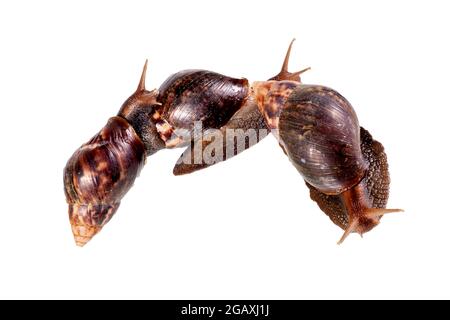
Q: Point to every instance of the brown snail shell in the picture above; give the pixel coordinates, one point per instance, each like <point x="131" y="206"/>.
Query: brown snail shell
<point x="99" y="174"/>
<point x="320" y="132"/>
<point x="199" y="95"/>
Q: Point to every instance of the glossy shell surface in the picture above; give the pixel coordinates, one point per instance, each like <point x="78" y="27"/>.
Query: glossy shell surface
<point x="199" y="95"/>
<point x="320" y="133"/>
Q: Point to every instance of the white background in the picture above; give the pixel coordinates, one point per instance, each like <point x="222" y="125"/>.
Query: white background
<point x="245" y="228"/>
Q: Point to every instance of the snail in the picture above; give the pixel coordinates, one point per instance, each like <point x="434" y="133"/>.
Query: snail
<point x="101" y="171"/>
<point x="345" y="169"/>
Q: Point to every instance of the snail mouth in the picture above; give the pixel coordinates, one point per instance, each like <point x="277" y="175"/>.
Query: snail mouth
<point x="365" y="221"/>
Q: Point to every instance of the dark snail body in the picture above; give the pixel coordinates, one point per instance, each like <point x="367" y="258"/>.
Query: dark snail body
<point x="198" y="97"/>
<point x="219" y="102"/>
<point x="142" y="112"/>
<point x="344" y="168"/>
<point x="246" y="118"/>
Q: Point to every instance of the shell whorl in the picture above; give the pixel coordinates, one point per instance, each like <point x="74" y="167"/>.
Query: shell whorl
<point x="99" y="174"/>
<point x="319" y="130"/>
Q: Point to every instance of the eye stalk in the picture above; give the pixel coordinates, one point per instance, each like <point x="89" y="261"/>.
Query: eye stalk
<point x="284" y="74"/>
<point x="141" y="98"/>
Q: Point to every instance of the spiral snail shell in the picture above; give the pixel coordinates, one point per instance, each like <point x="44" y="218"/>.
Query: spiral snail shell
<point x="99" y="174"/>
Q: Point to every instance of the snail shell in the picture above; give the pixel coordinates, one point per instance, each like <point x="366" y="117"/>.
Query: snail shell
<point x="320" y="132"/>
<point x="99" y="174"/>
<point x="199" y="95"/>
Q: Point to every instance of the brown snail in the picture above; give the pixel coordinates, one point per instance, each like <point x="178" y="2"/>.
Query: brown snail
<point x="344" y="168"/>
